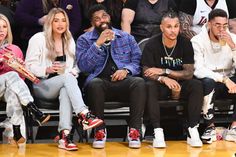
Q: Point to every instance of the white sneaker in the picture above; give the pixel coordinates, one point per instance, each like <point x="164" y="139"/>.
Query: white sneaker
<point x="159" y="140"/>
<point x="209" y="135"/>
<point x="231" y="134"/>
<point x="100" y="138"/>
<point x="193" y="138"/>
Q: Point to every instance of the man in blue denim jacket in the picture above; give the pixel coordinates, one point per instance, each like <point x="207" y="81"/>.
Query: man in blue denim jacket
<point x="111" y="57"/>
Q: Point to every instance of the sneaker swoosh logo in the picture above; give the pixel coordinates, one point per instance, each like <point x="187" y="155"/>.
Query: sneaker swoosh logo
<point x="85" y="122"/>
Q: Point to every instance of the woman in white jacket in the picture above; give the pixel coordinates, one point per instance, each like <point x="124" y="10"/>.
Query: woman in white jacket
<point x="46" y="51"/>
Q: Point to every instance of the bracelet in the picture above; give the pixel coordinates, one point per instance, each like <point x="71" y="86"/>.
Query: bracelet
<point x="225" y="79"/>
<point x="234" y="48"/>
<point x="97" y="46"/>
<point x="159" y="78"/>
<point x="127" y="70"/>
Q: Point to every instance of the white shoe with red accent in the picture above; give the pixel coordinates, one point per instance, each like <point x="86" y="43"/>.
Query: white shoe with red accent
<point x="65" y="141"/>
<point x="89" y="121"/>
<point x="134" y="138"/>
<point x="100" y="138"/>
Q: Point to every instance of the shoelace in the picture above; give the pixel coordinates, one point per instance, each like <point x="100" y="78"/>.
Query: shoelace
<point x="134" y="134"/>
<point x="69" y="138"/>
<point x="89" y="116"/>
<point x="209" y="129"/>
<point x="233" y="129"/>
<point x="100" y="134"/>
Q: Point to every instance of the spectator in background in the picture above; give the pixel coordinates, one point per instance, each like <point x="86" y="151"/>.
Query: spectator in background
<point x="232" y="15"/>
<point x="46" y="53"/>
<point x="114" y="8"/>
<point x="16" y="30"/>
<point x="8" y="13"/>
<point x="111" y="58"/>
<point x="194" y="13"/>
<point x="215" y="62"/>
<point x="232" y="25"/>
<point x="31" y="15"/>
<point x="142" y="18"/>
<point x="13" y="89"/>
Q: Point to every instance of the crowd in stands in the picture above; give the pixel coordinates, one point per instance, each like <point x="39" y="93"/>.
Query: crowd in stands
<point x="190" y="55"/>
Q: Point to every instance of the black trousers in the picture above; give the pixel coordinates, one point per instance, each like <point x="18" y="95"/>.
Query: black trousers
<point x="191" y="91"/>
<point x="131" y="89"/>
<point x="214" y="90"/>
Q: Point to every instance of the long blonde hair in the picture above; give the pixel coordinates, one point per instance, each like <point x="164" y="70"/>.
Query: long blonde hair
<point x="9" y="37"/>
<point x="66" y="36"/>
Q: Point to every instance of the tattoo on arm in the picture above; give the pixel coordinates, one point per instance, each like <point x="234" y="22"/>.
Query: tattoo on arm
<point x="185" y="74"/>
<point x="186" y="21"/>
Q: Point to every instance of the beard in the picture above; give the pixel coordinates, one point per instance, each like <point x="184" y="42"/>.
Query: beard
<point x="103" y="26"/>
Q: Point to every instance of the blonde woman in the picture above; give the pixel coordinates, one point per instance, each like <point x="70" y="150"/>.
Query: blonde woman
<point x="44" y="55"/>
<point x="31" y="15"/>
<point x="13" y="90"/>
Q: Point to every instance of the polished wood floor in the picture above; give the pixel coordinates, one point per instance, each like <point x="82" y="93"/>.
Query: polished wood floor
<point x="119" y="149"/>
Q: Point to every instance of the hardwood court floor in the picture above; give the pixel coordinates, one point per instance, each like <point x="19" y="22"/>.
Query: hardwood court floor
<point x="119" y="149"/>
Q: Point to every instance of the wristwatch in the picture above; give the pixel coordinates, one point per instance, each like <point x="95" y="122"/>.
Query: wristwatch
<point x="127" y="70"/>
<point x="167" y="71"/>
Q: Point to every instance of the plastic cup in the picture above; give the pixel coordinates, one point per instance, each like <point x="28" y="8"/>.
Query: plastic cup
<point x="62" y="68"/>
<point x="175" y="93"/>
<point x="222" y="42"/>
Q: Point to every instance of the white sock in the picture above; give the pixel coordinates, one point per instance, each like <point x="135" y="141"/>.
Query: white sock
<point x="84" y="111"/>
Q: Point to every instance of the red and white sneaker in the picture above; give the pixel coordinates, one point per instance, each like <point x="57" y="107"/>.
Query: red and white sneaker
<point x="134" y="138"/>
<point x="99" y="139"/>
<point x="89" y="121"/>
<point x="65" y="141"/>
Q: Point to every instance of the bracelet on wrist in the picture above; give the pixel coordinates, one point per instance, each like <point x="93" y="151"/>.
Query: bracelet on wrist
<point x="234" y="48"/>
<point x="161" y="79"/>
<point x="127" y="70"/>
<point x="225" y="79"/>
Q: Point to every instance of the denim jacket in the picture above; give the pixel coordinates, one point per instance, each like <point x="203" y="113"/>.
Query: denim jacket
<point x="124" y="51"/>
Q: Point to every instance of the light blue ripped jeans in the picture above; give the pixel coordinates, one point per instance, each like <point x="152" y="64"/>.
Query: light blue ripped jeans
<point x="64" y="87"/>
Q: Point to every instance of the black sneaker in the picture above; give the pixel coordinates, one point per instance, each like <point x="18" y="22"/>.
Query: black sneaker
<point x="18" y="138"/>
<point x="209" y="135"/>
<point x="38" y="116"/>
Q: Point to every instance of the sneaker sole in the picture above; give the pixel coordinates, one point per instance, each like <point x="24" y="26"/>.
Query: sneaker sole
<point x="159" y="146"/>
<point x="46" y="119"/>
<point x="98" y="146"/>
<point x="196" y="146"/>
<point x="135" y="146"/>
<point x="69" y="149"/>
<point x="20" y="142"/>
<point x="208" y="140"/>
<point x="86" y="127"/>
<point x="230" y="138"/>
